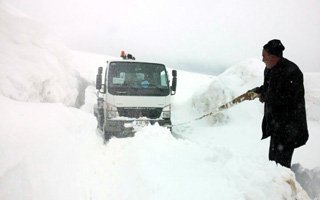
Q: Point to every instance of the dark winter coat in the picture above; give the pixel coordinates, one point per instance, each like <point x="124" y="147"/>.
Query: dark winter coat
<point x="284" y="112"/>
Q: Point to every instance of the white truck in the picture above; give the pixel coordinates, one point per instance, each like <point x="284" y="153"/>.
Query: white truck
<point x="132" y="93"/>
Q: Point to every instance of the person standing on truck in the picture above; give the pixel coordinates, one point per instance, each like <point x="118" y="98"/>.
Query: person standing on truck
<point x="282" y="93"/>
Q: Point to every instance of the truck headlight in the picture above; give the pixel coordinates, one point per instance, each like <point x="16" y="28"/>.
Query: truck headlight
<point x="166" y="114"/>
<point x="112" y="111"/>
<point x="166" y="111"/>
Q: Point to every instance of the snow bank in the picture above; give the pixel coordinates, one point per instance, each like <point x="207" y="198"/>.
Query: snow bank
<point x="235" y="81"/>
<point x="34" y="64"/>
<point x="46" y="154"/>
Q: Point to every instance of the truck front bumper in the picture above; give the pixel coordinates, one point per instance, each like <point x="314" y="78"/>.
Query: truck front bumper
<point x="125" y="128"/>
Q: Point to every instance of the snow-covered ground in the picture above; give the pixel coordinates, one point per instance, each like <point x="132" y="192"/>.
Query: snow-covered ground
<point x="49" y="148"/>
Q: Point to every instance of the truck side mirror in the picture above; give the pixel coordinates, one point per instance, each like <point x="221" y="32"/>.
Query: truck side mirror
<point x="174" y="82"/>
<point x="99" y="79"/>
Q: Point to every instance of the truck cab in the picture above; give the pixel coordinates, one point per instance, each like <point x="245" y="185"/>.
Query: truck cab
<point x="131" y="93"/>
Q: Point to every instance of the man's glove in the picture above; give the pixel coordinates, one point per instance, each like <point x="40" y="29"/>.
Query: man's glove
<point x="255" y="90"/>
<point x="257" y="93"/>
<point x="251" y="95"/>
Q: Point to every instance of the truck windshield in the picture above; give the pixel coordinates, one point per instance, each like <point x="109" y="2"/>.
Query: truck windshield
<point x="137" y="79"/>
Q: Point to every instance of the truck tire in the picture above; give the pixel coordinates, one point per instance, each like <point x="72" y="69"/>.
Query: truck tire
<point x="106" y="134"/>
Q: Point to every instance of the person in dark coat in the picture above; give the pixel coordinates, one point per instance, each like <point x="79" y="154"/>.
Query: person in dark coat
<point x="282" y="93"/>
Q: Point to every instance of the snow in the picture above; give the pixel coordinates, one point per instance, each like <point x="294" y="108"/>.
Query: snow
<point x="35" y="64"/>
<point x="50" y="149"/>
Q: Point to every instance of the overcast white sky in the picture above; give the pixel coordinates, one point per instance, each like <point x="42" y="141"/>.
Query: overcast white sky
<point x="203" y="35"/>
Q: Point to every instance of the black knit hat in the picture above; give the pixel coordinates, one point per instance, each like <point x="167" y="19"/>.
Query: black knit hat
<point x="274" y="47"/>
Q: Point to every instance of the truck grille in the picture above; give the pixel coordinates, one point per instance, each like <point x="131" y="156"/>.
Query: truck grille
<point x="151" y="113"/>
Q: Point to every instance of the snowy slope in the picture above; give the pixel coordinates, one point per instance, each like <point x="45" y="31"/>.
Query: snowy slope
<point x="49" y="150"/>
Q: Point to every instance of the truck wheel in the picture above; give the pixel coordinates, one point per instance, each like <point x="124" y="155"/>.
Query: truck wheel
<point x="100" y="125"/>
<point x="107" y="134"/>
<point x="100" y="120"/>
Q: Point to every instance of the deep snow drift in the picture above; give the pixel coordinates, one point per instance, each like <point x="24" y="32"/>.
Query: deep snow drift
<point x="49" y="150"/>
<point x="35" y="64"/>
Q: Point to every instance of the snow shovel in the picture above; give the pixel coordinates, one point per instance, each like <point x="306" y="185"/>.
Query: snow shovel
<point x="246" y="96"/>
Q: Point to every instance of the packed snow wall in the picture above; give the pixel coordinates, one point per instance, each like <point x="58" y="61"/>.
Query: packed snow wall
<point x="34" y="64"/>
